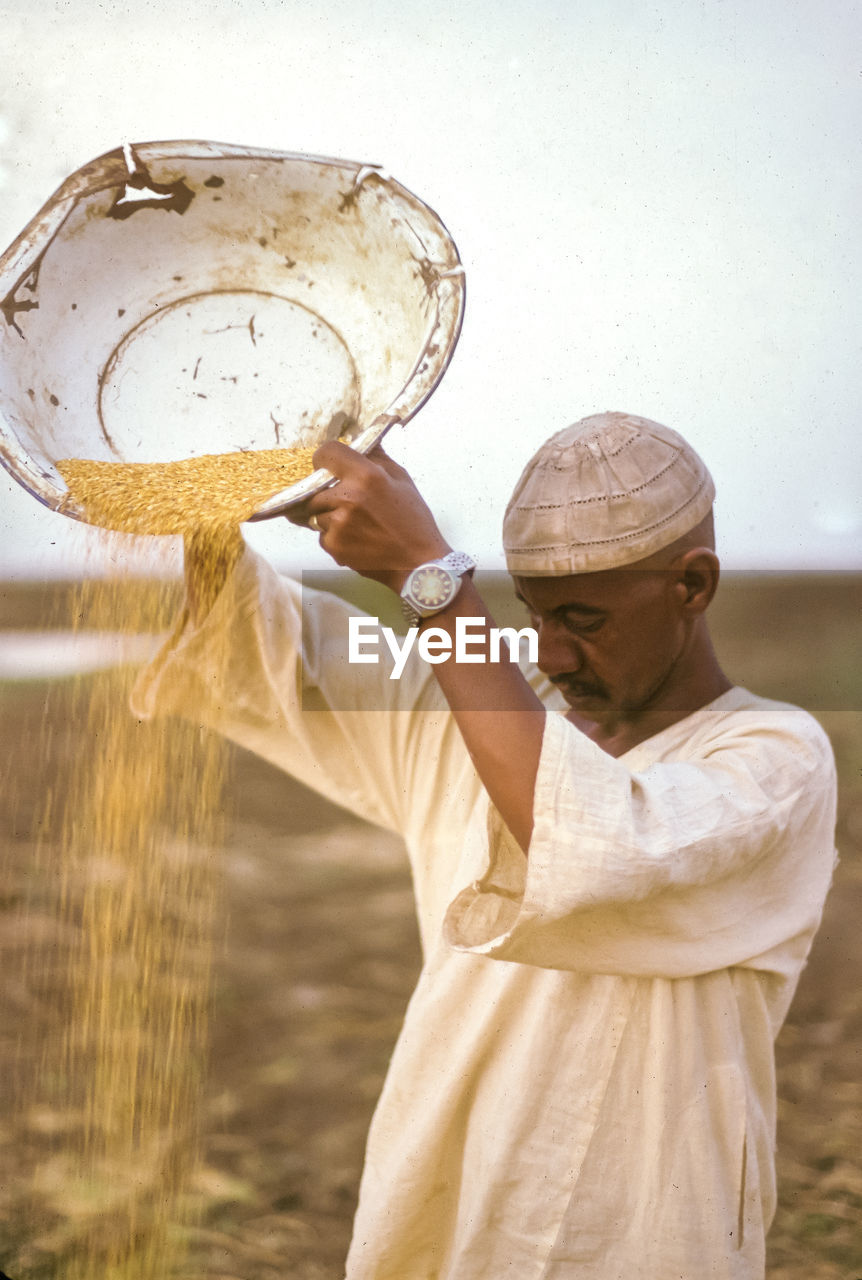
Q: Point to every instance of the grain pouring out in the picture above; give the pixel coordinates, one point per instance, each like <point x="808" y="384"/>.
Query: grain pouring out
<point x="140" y="826"/>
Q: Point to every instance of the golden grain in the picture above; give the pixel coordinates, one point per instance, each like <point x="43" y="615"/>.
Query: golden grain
<point x="184" y="496"/>
<point x="142" y="811"/>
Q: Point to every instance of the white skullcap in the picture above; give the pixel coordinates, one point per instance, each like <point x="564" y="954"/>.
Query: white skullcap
<point x="606" y="492"/>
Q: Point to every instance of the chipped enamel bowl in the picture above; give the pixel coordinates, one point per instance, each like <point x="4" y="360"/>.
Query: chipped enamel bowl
<point x="180" y="298"/>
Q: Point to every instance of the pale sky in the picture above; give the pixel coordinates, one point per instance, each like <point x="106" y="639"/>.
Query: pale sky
<point x="657" y="206"/>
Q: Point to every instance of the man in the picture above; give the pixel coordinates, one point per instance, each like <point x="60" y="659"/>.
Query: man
<point x="620" y="862"/>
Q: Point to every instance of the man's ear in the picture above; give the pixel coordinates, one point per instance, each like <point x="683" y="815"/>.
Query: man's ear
<point x="698" y="574"/>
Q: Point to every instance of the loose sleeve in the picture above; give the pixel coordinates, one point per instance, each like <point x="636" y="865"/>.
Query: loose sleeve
<point x="269" y="669"/>
<point x="688" y="865"/>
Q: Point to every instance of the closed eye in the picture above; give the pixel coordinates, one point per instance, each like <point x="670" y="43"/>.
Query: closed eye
<point x="578" y="625"/>
<point x="576" y="621"/>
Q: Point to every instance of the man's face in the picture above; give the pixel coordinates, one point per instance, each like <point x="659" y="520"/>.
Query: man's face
<point x="608" y="640"/>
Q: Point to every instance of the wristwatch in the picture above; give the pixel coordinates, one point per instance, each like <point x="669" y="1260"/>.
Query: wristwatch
<point x="433" y="585"/>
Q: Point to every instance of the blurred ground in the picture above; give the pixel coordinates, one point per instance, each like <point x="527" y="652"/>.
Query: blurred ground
<point x="316" y="955"/>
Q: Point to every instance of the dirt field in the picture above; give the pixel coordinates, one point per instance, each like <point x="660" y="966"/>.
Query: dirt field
<point x="316" y="954"/>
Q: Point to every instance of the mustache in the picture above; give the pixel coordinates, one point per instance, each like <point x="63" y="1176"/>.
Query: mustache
<point x="574" y="686"/>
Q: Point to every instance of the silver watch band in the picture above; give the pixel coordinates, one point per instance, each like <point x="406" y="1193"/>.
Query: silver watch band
<point x="459" y="562"/>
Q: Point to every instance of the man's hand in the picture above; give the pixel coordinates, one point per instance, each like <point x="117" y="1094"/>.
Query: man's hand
<point x="374" y="520"/>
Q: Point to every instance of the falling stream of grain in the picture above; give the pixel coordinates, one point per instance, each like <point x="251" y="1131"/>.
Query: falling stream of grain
<point x="140" y="829"/>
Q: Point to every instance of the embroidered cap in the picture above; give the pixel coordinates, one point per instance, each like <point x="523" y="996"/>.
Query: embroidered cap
<point x="608" y="491"/>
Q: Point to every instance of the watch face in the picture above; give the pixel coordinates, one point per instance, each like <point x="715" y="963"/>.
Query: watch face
<point x="432" y="587"/>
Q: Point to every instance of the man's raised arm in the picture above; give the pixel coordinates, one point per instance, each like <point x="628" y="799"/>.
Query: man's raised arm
<point x="375" y="521"/>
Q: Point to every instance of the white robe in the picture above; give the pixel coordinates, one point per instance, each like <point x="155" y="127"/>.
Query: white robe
<point x="583" y="1088"/>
